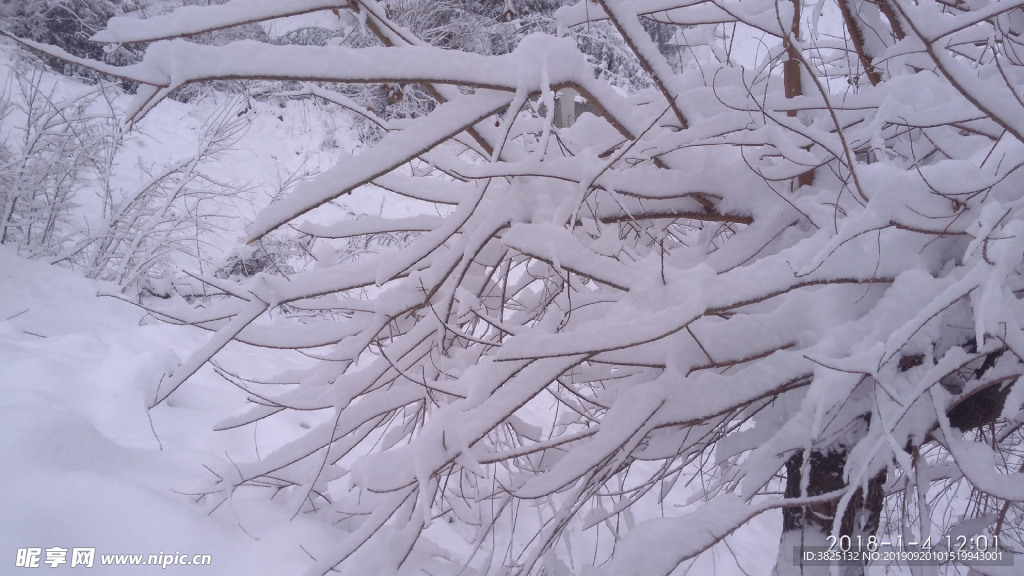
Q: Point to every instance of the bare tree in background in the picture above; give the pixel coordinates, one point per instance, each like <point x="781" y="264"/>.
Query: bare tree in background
<point x="792" y="273"/>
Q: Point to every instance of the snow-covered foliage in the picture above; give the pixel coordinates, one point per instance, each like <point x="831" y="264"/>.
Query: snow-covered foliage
<point x="791" y="269"/>
<point x="74" y="190"/>
<point x="47" y="149"/>
<point x="165" y="214"/>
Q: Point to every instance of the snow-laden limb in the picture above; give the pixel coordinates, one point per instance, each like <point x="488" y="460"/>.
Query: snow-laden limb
<point x="657" y="546"/>
<point x="819" y="291"/>
<point x="395" y="150"/>
<point x="216" y="342"/>
<point x="370" y="225"/>
<point x="992" y="96"/>
<point x="563" y="252"/>
<point x="647" y="52"/>
<point x="932" y="29"/>
<point x="189" y="20"/>
<point x="143" y="76"/>
<point x="372" y="526"/>
<point x="758" y="15"/>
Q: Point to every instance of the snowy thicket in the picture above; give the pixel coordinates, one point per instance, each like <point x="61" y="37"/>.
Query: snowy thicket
<point x="790" y="270"/>
<point x="72" y="192"/>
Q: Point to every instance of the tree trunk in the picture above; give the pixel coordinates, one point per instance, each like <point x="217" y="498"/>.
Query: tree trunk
<point x="810" y="525"/>
<point x="792" y="83"/>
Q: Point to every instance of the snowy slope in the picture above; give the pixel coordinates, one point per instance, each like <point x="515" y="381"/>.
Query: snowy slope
<point x="83" y="466"/>
<point x="84" y="461"/>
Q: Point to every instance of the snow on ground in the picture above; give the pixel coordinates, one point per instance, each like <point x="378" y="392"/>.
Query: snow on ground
<point x="83" y="464"/>
<point x="84" y="461"/>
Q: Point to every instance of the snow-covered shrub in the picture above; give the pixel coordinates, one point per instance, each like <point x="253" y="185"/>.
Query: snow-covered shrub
<point x="273" y="255"/>
<point x="61" y="147"/>
<point x="48" y="144"/>
<point x="171" y="212"/>
<point x="791" y="272"/>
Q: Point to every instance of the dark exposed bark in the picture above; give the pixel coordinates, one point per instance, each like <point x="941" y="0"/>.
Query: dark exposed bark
<point x="649" y="67"/>
<point x="979" y="409"/>
<point x="863" y="514"/>
<point x="792" y="83"/>
<point x="894" y="19"/>
<point x="983" y="406"/>
<point x="791" y="67"/>
<point x="853" y="26"/>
